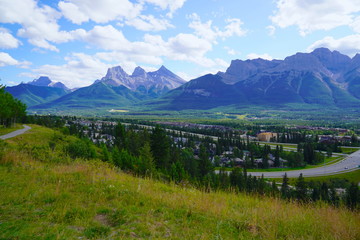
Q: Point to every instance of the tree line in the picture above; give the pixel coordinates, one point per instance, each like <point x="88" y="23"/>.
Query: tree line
<point x="11" y="109"/>
<point x="152" y="153"/>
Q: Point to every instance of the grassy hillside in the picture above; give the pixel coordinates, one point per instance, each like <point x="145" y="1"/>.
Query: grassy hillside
<point x="46" y="195"/>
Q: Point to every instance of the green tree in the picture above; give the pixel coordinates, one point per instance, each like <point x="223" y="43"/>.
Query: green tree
<point x="11" y="109"/>
<point x="121" y="139"/>
<point x="205" y="165"/>
<point x="105" y="153"/>
<point x="146" y="165"/>
<point x="301" y="188"/>
<point x="285" y="189"/>
<point x="160" y="147"/>
<point x="277" y="157"/>
<point x="352" y="196"/>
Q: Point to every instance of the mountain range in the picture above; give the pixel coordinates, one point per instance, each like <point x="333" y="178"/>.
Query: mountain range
<point x="322" y="78"/>
<point x="38" y="91"/>
<point x="115" y="89"/>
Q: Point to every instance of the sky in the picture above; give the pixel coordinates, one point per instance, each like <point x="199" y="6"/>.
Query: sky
<point x="76" y="41"/>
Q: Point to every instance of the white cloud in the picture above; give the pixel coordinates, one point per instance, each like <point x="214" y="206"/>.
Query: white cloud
<point x="233" y="28"/>
<point x="185" y="47"/>
<point x="255" y="56"/>
<point x="38" y="24"/>
<point x="105" y="37"/>
<point x="271" y="30"/>
<point x="7" y="40"/>
<point x="80" y="70"/>
<point x="172" y="5"/>
<point x="79" y="11"/>
<point x="124" y="11"/>
<point x="210" y="33"/>
<point x="349" y="45"/>
<point x="230" y="51"/>
<point x="7" y="60"/>
<point x="355" y="25"/>
<point x="149" y="23"/>
<point x="310" y="15"/>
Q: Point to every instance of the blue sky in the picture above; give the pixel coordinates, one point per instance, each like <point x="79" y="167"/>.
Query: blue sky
<point x="75" y="41"/>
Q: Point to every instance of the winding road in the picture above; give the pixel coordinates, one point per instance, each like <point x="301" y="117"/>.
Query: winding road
<point x="348" y="164"/>
<point x="15" y="133"/>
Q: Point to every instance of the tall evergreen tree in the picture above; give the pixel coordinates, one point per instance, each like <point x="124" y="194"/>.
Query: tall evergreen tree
<point x="285" y="189"/>
<point x="146" y="163"/>
<point x="352" y="196"/>
<point x="160" y="147"/>
<point x="205" y="165"/>
<point x="301" y="188"/>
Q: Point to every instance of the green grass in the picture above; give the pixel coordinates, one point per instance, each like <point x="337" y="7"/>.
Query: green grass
<point x="349" y="150"/>
<point x="327" y="160"/>
<point x="285" y="145"/>
<point x="4" y="130"/>
<point x="353" y="176"/>
<point x="45" y="195"/>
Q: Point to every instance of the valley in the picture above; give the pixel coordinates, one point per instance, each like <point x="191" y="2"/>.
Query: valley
<point x="185" y="119"/>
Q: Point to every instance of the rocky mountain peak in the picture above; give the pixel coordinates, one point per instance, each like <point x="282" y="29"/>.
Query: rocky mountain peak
<point x="45" y="81"/>
<point x="160" y="79"/>
<point x="332" y="60"/>
<point x="42" y="81"/>
<point x="116" y="72"/>
<point x="240" y="70"/>
<point x="139" y="72"/>
<point x="164" y="71"/>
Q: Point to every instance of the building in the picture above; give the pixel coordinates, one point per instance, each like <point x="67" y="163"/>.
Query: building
<point x="266" y="136"/>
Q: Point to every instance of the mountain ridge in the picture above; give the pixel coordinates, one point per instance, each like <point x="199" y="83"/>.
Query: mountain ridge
<point x="321" y="79"/>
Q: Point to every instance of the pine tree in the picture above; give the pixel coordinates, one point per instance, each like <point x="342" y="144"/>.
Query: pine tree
<point x="146" y="165"/>
<point x="301" y="188"/>
<point x="105" y="153"/>
<point x="160" y="148"/>
<point x="205" y="165"/>
<point x="285" y="190"/>
<point x="352" y="196"/>
<point x="121" y="139"/>
<point x="277" y="157"/>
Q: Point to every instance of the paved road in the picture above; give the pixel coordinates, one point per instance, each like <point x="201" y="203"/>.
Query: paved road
<point x="15" y="133"/>
<point x="350" y="163"/>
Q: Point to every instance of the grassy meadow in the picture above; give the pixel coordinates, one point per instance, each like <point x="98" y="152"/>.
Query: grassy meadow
<point x="44" y="194"/>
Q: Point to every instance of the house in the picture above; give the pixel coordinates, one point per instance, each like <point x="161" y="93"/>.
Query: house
<point x="266" y="136"/>
<point x="239" y="162"/>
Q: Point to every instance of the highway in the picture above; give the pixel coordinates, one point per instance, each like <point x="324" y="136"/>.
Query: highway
<point x="348" y="164"/>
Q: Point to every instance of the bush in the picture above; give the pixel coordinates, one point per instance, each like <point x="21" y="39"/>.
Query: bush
<point x="81" y="149"/>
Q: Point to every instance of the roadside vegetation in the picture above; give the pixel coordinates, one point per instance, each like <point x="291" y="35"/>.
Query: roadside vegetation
<point x="5" y="130"/>
<point x="50" y="192"/>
